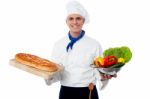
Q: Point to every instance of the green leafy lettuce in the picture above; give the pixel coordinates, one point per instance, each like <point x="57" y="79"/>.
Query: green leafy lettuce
<point x="119" y="52"/>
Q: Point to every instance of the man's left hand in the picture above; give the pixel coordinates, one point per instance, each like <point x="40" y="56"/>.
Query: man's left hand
<point x="107" y="76"/>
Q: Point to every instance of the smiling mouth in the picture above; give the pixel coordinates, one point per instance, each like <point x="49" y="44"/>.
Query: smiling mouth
<point x="75" y="26"/>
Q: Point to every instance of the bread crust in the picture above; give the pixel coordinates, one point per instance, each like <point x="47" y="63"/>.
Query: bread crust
<point x="36" y="62"/>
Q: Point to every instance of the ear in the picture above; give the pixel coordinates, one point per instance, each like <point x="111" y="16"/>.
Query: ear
<point x="66" y="22"/>
<point x="66" y="19"/>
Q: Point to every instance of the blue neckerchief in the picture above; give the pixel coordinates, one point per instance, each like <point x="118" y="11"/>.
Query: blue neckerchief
<point x="74" y="40"/>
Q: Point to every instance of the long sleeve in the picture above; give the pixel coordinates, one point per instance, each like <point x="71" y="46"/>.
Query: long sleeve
<point x="55" y="58"/>
<point x="104" y="83"/>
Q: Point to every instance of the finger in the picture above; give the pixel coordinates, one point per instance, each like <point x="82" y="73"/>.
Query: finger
<point x="105" y="76"/>
<point x="109" y="76"/>
<point x="115" y="75"/>
<point x="102" y="76"/>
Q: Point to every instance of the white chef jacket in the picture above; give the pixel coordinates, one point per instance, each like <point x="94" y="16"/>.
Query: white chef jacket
<point x="77" y="62"/>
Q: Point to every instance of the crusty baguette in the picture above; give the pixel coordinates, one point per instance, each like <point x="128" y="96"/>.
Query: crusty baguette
<point x="36" y="62"/>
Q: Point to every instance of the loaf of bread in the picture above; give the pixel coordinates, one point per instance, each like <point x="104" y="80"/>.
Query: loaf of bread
<point x="36" y="62"/>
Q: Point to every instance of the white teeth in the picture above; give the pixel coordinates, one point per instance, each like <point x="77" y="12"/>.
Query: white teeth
<point x="75" y="26"/>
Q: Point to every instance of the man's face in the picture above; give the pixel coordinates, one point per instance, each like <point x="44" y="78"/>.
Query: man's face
<point x="75" y="23"/>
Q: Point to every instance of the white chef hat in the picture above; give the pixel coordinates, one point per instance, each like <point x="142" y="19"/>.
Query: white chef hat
<point x="74" y="7"/>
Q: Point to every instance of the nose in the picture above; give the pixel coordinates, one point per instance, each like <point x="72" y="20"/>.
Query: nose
<point x="75" y="21"/>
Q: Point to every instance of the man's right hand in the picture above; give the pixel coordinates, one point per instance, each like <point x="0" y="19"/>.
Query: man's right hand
<point x="49" y="81"/>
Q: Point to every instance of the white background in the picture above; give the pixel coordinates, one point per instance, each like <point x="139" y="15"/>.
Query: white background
<point x="34" y="25"/>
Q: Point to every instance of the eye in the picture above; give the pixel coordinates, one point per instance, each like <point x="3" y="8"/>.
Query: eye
<point x="70" y="19"/>
<point x="79" y="18"/>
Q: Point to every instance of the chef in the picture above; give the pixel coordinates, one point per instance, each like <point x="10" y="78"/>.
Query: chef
<point x="76" y="52"/>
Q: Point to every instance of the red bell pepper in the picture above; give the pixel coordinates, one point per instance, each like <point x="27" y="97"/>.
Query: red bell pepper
<point x="109" y="61"/>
